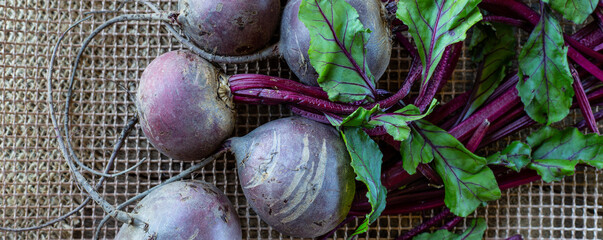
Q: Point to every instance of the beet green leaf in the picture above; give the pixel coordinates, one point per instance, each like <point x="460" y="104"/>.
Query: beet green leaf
<point x="436" y="24"/>
<point x="442" y="234"/>
<point x="364" y="152"/>
<point x="396" y="123"/>
<point x="475" y="232"/>
<point x="494" y="46"/>
<point x="415" y="150"/>
<point x="337" y="49"/>
<point x="359" y="118"/>
<point x="574" y="10"/>
<point x="552" y="153"/>
<point x="366" y="161"/>
<point x="545" y="81"/>
<point x="569" y="144"/>
<point x="553" y="169"/>
<point x="468" y="181"/>
<point x="515" y="156"/>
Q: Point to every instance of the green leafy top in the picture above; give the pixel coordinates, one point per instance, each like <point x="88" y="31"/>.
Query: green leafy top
<point x="468" y="181"/>
<point x="574" y="10"/>
<point x="475" y="232"/>
<point x="545" y="81"/>
<point x="365" y="153"/>
<point x="396" y="123"/>
<point x="494" y="46"/>
<point x="569" y="144"/>
<point x="515" y="156"/>
<point x="552" y="153"/>
<point x="337" y="49"/>
<point x="359" y="118"/>
<point x="366" y="161"/>
<point x="436" y="24"/>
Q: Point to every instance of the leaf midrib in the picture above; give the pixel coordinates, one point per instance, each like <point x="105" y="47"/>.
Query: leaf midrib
<point x="362" y="74"/>
<point x="436" y="149"/>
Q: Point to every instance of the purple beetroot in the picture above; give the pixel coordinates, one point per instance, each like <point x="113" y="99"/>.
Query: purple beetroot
<point x="184" y="111"/>
<point x="185" y="210"/>
<point x="296" y="175"/>
<point x="229" y="27"/>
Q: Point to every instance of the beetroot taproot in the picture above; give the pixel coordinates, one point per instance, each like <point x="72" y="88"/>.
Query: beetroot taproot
<point x="296" y="175"/>
<point x="185" y="210"/>
<point x="185" y="112"/>
<point x="233" y="27"/>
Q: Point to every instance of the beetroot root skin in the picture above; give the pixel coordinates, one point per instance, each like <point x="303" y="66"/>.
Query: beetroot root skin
<point x="296" y="175"/>
<point x="185" y="210"/>
<point x="180" y="111"/>
<point x="231" y="28"/>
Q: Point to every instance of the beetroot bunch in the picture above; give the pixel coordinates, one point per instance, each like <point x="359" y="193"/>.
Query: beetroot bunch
<point x="355" y="150"/>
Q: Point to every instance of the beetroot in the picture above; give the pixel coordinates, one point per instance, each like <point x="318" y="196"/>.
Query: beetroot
<point x="185" y="210"/>
<point x="295" y="39"/>
<point x="296" y="175"/>
<point x="182" y="111"/>
<point x="229" y="27"/>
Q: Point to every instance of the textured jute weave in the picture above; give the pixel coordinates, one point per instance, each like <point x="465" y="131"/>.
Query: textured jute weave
<point x="35" y="183"/>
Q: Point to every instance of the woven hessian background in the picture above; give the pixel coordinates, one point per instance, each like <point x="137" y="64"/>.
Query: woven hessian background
<point x="35" y="184"/>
